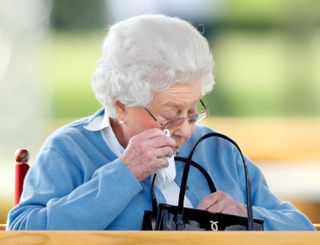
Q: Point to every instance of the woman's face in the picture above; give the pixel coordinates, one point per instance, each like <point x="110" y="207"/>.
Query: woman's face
<point x="179" y="100"/>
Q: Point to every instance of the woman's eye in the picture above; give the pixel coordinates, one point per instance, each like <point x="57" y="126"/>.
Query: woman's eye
<point x="170" y="114"/>
<point x="190" y="112"/>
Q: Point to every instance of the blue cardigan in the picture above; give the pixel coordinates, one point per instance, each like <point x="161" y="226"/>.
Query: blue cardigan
<point x="78" y="183"/>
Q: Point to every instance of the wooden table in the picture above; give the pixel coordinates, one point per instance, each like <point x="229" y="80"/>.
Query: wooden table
<point x="154" y="238"/>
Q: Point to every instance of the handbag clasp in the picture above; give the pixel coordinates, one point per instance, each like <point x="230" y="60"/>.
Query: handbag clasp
<point x="214" y="225"/>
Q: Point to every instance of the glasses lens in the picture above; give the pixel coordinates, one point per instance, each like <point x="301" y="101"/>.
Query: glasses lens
<point x="199" y="116"/>
<point x="174" y="122"/>
<point x="192" y="119"/>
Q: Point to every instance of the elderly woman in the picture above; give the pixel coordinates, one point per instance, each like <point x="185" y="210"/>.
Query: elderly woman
<point x="95" y="173"/>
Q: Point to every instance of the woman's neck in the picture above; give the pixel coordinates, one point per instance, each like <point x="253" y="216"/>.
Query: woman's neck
<point x="118" y="132"/>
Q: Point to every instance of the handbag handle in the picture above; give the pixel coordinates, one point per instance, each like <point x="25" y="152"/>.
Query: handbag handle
<point x="194" y="164"/>
<point x="183" y="185"/>
<point x="201" y="169"/>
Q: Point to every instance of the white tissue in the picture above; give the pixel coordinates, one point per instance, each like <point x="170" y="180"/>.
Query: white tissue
<point x="166" y="175"/>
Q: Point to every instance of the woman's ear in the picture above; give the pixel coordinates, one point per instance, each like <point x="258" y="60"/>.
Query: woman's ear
<point x="121" y="111"/>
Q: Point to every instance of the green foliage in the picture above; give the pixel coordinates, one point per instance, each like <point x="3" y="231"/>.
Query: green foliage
<point x="70" y="63"/>
<point x="265" y="74"/>
<point x="274" y="12"/>
<point x="78" y="15"/>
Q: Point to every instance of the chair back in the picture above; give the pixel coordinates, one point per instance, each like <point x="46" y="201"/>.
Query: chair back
<point x="21" y="169"/>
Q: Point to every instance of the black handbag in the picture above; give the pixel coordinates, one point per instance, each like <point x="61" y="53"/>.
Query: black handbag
<point x="171" y="217"/>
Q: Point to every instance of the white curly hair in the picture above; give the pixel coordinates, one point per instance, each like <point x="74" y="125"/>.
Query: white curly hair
<point x="149" y="53"/>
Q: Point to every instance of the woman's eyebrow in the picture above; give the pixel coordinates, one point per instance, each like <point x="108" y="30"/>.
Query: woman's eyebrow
<point x="175" y="105"/>
<point x="181" y="104"/>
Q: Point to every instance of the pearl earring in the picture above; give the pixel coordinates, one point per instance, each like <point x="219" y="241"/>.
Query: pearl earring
<point x="121" y="122"/>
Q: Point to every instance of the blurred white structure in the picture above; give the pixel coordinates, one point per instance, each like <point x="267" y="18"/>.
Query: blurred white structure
<point x="201" y="11"/>
<point x="296" y="180"/>
<point x="23" y="96"/>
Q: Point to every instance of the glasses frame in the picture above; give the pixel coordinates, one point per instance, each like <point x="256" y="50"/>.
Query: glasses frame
<point x="200" y="115"/>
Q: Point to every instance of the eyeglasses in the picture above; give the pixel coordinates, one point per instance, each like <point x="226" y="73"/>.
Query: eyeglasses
<point x="171" y="123"/>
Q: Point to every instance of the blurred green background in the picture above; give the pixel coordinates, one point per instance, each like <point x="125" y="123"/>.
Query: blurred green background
<point x="267" y="56"/>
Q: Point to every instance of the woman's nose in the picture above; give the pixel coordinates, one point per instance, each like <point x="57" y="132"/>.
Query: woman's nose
<point x="184" y="130"/>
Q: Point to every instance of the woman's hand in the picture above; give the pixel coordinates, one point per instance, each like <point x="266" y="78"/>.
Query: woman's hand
<point x="148" y="151"/>
<point x="220" y="202"/>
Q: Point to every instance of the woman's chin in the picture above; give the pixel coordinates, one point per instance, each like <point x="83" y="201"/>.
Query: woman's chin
<point x="176" y="150"/>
